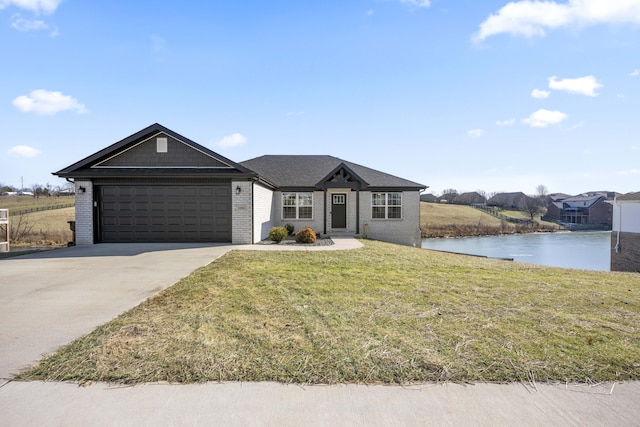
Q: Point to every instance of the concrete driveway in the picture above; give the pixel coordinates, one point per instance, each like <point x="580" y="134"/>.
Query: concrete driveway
<point x="48" y="299"/>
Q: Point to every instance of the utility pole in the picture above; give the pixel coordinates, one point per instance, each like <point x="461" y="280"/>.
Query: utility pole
<point x="22" y="183"/>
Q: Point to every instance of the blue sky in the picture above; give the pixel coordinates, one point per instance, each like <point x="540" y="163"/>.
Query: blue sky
<point x="472" y="95"/>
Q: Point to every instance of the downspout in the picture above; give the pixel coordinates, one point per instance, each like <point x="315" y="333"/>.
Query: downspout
<point x="324" y="211"/>
<point x="617" y="247"/>
<point x="358" y="210"/>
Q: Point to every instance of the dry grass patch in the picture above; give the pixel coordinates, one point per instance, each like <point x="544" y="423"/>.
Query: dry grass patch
<point x="381" y="314"/>
<point x="19" y="203"/>
<point x="44" y="228"/>
<point x="448" y="220"/>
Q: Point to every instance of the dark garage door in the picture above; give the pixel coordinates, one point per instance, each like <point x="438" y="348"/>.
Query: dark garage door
<point x="148" y="213"/>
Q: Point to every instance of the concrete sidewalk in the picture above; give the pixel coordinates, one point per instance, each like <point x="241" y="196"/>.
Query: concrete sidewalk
<point x="272" y="404"/>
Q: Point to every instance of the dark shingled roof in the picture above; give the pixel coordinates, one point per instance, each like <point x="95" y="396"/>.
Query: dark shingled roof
<point x="300" y="171"/>
<point x="630" y="196"/>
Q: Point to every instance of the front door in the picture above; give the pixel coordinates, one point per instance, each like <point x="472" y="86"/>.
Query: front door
<point x="338" y="211"/>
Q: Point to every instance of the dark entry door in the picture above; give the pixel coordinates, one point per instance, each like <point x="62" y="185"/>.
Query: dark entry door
<point x="338" y="210"/>
<point x="147" y="213"/>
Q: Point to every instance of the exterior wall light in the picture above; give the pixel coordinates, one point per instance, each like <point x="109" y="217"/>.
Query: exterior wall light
<point x="238" y="190"/>
<point x="82" y="189"/>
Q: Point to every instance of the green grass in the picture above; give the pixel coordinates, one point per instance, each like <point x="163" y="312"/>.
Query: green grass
<point x="382" y="314"/>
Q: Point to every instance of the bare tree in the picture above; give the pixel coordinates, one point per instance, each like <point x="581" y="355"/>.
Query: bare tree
<point x="533" y="205"/>
<point x="542" y="191"/>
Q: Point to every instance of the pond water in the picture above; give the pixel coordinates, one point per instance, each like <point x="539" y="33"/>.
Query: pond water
<point x="583" y="250"/>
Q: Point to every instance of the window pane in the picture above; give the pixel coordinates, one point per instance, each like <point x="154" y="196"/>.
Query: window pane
<point x="289" y="212"/>
<point x="305" y="212"/>
<point x="378" y="199"/>
<point x="305" y="199"/>
<point x="377" y="212"/>
<point x="395" y="212"/>
<point x="288" y="199"/>
<point x="395" y="199"/>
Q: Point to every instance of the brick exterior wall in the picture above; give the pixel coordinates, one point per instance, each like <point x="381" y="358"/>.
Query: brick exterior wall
<point x="317" y="222"/>
<point x="263" y="212"/>
<point x="601" y="213"/>
<point x="628" y="256"/>
<point x="84" y="213"/>
<point x="241" y="215"/>
<point x="405" y="231"/>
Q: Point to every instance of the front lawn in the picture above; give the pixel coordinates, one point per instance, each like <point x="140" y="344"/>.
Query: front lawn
<point x="381" y="314"/>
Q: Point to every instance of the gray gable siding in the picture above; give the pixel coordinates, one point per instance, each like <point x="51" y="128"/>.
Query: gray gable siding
<point x="145" y="155"/>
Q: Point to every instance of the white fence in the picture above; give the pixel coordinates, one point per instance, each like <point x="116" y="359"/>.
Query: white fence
<point x="4" y="230"/>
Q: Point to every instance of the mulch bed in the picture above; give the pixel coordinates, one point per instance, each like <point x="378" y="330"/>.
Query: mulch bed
<point x="321" y="241"/>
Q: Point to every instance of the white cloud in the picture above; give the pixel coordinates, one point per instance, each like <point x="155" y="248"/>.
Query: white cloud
<point x="47" y="103"/>
<point x="583" y="85"/>
<point x="417" y="3"/>
<point x="475" y="133"/>
<point x="540" y="94"/>
<point x="531" y="18"/>
<point x="24" y="151"/>
<point x="233" y="140"/>
<point x="635" y="73"/>
<point x="35" y="6"/>
<point x="504" y="123"/>
<point x="21" y="24"/>
<point x="543" y="118"/>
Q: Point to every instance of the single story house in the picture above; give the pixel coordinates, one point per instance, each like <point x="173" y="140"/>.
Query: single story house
<point x="625" y="238"/>
<point x="158" y="186"/>
<point x="516" y="201"/>
<point x="472" y="198"/>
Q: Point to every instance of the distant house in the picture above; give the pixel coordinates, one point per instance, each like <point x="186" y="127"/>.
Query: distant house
<point x="557" y="197"/>
<point x="447" y="197"/>
<point x="625" y="239"/>
<point x="593" y="210"/>
<point x="471" y="198"/>
<point x="516" y="201"/>
<point x="429" y="198"/>
<point x="158" y="186"/>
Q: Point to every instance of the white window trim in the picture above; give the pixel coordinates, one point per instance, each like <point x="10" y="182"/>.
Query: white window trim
<point x="297" y="205"/>
<point x="386" y="206"/>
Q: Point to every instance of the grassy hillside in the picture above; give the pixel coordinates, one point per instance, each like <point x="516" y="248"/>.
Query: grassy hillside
<point x="448" y="220"/>
<point x="20" y="203"/>
<point x="42" y="228"/>
<point x="381" y="314"/>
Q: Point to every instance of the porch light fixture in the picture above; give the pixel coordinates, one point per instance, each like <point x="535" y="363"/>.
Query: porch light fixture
<point x="82" y="189"/>
<point x="238" y="190"/>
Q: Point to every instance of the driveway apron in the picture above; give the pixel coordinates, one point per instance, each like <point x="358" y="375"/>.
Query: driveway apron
<point x="48" y="299"/>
